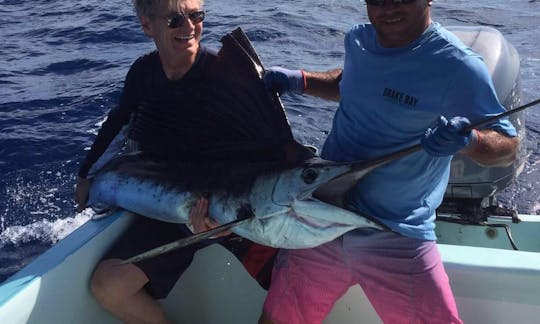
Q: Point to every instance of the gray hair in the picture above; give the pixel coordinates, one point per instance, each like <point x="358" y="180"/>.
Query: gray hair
<point x="150" y="7"/>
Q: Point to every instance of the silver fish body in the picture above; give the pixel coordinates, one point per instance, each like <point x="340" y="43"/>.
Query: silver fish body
<point x="286" y="214"/>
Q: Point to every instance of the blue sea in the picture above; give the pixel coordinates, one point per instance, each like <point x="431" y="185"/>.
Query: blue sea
<point x="63" y="63"/>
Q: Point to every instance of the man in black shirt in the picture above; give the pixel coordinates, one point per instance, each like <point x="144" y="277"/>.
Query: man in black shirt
<point x="162" y="104"/>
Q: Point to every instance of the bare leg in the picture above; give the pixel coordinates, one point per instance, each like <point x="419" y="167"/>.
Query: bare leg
<point x="119" y="289"/>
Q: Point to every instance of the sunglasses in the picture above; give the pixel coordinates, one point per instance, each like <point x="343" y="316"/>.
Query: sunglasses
<point x="177" y="19"/>
<point x="381" y="2"/>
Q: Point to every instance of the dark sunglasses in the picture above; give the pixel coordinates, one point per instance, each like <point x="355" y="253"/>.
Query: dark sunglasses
<point x="381" y="2"/>
<point x="177" y="19"/>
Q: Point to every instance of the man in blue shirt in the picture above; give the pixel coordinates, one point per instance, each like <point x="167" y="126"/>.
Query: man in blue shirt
<point x="405" y="79"/>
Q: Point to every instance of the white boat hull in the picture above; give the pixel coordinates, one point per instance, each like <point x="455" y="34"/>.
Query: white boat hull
<point x="491" y="285"/>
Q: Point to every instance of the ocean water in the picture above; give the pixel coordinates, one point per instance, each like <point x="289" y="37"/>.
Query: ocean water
<point x="62" y="66"/>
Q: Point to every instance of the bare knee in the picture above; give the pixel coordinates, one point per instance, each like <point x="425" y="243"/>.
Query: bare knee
<point x="113" y="282"/>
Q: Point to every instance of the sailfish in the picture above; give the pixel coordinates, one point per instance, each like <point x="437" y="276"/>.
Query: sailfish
<point x="286" y="196"/>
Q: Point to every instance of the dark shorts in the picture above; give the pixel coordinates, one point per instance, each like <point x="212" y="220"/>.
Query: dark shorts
<point x="164" y="270"/>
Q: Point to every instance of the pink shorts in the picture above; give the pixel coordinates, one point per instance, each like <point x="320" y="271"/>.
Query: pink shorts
<point x="403" y="278"/>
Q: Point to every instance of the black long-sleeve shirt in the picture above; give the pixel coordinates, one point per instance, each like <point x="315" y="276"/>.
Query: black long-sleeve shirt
<point x="216" y="111"/>
<point x="156" y="104"/>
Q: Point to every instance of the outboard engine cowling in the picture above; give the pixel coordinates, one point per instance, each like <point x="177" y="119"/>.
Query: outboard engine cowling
<point x="470" y="183"/>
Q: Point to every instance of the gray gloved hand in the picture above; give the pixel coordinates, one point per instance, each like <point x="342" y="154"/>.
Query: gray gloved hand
<point x="283" y="80"/>
<point x="449" y="137"/>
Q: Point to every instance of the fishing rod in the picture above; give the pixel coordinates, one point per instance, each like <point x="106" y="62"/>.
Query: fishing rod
<point x="327" y="191"/>
<point x="196" y="238"/>
<point x="417" y="147"/>
<point x="502" y="115"/>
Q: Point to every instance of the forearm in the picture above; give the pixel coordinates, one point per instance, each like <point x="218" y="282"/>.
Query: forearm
<point x="323" y="84"/>
<point x="110" y="128"/>
<point x="492" y="149"/>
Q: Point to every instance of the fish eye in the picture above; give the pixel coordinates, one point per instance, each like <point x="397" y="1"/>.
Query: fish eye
<point x="309" y="175"/>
